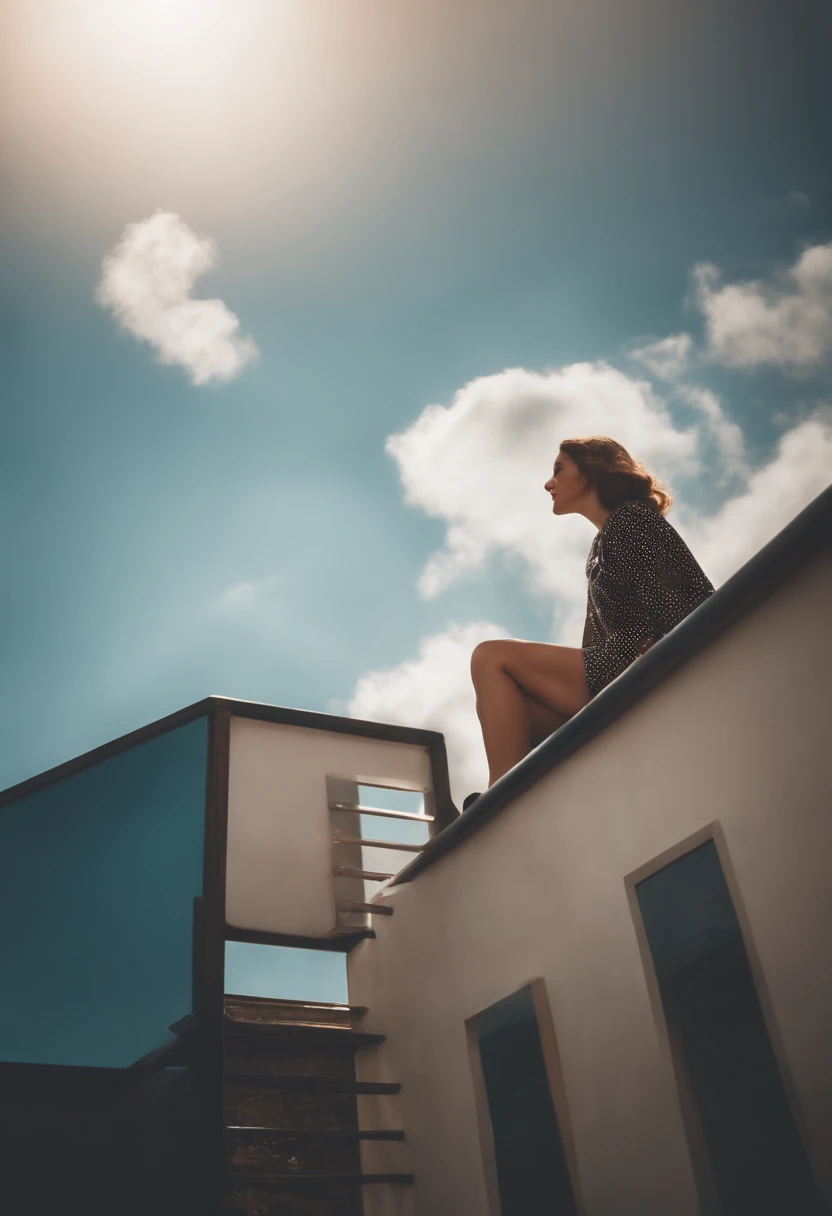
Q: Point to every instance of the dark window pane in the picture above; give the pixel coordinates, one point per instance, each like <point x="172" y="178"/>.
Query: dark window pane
<point x="531" y="1167"/>
<point x="98" y="873"/>
<point x="721" y="1047"/>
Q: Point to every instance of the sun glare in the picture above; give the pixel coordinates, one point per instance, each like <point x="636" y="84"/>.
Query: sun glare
<point x="163" y="29"/>
<point x="121" y="96"/>
<point x="203" y="107"/>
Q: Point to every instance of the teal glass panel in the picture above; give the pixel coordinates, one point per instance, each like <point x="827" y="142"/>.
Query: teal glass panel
<point x="285" y="972"/>
<point x="722" y="1052"/>
<point x="531" y="1165"/>
<point x="98" y="874"/>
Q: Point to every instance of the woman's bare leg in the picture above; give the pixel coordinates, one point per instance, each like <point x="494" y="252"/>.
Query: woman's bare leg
<point x="542" y="720"/>
<point x="540" y="723"/>
<point x="511" y="678"/>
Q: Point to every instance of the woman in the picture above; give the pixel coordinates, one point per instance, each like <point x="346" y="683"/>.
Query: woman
<point x="642" y="580"/>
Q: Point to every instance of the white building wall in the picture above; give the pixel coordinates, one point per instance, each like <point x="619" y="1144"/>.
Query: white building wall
<point x="279" y="870"/>
<point x="740" y="734"/>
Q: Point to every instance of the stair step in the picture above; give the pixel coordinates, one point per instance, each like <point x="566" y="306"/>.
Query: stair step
<point x="378" y="844"/>
<point x="319" y="1034"/>
<point x="255" y="1198"/>
<point x="350" y="905"/>
<point x="322" y="1133"/>
<point x="352" y="872"/>
<point x="320" y="1180"/>
<point x="374" y="810"/>
<point x="274" y="1011"/>
<point x="278" y="1154"/>
<point x="319" y="1085"/>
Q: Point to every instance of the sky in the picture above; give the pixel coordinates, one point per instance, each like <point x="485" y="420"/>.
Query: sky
<point x="302" y="295"/>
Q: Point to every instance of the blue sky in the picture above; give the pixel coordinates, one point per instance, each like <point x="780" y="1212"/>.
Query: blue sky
<point x="448" y="205"/>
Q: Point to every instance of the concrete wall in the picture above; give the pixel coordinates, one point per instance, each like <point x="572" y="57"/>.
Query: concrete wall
<point x="739" y="735"/>
<point x="279" y="871"/>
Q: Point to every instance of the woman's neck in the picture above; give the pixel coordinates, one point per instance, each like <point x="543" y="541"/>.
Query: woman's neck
<point x="597" y="514"/>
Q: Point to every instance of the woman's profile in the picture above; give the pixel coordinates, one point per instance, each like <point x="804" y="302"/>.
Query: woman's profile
<point x="642" y="579"/>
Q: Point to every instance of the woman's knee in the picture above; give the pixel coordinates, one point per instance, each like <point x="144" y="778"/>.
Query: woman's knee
<point x="487" y="655"/>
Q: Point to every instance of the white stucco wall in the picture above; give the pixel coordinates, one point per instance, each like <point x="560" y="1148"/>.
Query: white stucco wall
<point x="740" y="735"/>
<point x="279" y="871"/>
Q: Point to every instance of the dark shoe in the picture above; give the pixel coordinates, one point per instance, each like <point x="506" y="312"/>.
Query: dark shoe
<point x="469" y="801"/>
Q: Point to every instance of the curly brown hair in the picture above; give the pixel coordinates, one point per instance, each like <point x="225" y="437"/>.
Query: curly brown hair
<point x="614" y="474"/>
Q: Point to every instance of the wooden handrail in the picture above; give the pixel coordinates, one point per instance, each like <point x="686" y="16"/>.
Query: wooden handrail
<point x="357" y="809"/>
<point x="351" y="872"/>
<point x="378" y="844"/>
<point x="353" y="905"/>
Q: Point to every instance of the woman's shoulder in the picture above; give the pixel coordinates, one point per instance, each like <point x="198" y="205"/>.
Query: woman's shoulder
<point x="634" y="527"/>
<point x="635" y="513"/>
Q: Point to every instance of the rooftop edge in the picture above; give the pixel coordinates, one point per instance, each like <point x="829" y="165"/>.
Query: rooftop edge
<point x="240" y="709"/>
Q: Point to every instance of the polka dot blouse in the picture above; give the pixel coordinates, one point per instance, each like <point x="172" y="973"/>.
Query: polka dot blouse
<point x="642" y="580"/>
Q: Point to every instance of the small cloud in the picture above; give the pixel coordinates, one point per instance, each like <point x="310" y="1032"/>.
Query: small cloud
<point x="146" y="282"/>
<point x="669" y="358"/>
<point x="787" y="324"/>
<point x="245" y="594"/>
<point x="238" y="596"/>
<point x="798" y="199"/>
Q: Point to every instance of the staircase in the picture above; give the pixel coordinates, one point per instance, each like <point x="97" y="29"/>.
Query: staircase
<point x="292" y="1140"/>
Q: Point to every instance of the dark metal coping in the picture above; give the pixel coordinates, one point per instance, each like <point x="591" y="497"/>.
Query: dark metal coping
<point x="807" y="535"/>
<point x="240" y="709"/>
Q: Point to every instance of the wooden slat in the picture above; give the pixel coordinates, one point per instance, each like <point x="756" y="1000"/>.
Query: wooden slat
<point x="274" y="1011"/>
<point x="351" y="905"/>
<point x="379" y="844"/>
<point x="343" y="943"/>
<point x="351" y="872"/>
<point x="312" y="1084"/>
<point x="322" y="1034"/>
<point x="293" y="1180"/>
<point x="356" y="809"/>
<point x="316" y="1133"/>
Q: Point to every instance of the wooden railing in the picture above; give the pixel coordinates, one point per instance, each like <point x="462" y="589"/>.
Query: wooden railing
<point x="347" y="859"/>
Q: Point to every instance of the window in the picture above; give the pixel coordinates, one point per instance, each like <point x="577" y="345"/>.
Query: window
<point x="745" y="1144"/>
<point x="285" y="973"/>
<point x="529" y="1167"/>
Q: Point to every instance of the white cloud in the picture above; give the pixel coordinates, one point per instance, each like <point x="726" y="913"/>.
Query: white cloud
<point x="480" y="464"/>
<point x="434" y="691"/>
<point x="728" y="436"/>
<point x="146" y="281"/>
<point x="756" y="324"/>
<point x="798" y="471"/>
<point x="669" y="358"/>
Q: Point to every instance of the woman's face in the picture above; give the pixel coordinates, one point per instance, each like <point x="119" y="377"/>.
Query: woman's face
<point x="567" y="485"/>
